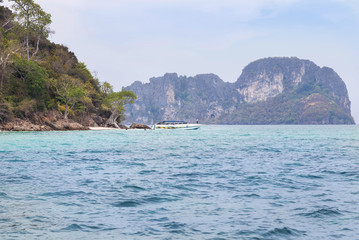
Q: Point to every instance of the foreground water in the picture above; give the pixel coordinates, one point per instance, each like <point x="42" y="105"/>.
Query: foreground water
<point x="220" y="182"/>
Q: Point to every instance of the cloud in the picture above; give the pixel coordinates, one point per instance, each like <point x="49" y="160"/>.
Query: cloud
<point x="109" y="3"/>
<point x="246" y="9"/>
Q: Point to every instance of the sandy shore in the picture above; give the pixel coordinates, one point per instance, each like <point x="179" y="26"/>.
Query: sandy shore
<point x="103" y="128"/>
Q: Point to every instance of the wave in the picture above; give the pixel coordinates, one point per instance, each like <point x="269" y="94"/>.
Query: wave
<point x="324" y="212"/>
<point x="190" y="174"/>
<point x="5" y="220"/>
<point x="147" y="172"/>
<point x="72" y="227"/>
<point x="63" y="194"/>
<point x="175" y="227"/>
<point x="66" y="204"/>
<point x="283" y="232"/>
<point x="127" y="203"/>
<point x="3" y="195"/>
<point x="309" y="176"/>
<point x="343" y="173"/>
<point x="84" y="228"/>
<point x="145" y="200"/>
<point x="16" y="179"/>
<point x="86" y="182"/>
<point x="253" y="195"/>
<point x="134" y="187"/>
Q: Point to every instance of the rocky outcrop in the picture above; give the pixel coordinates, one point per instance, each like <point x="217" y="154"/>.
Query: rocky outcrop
<point x="25" y="125"/>
<point x="49" y="121"/>
<point x="318" y="109"/>
<point x="270" y="77"/>
<point x="123" y="127"/>
<point x="269" y="91"/>
<point x="93" y="120"/>
<point x="22" y="125"/>
<point x="66" y="125"/>
<point x="139" y="126"/>
<point x="203" y="97"/>
<point x="53" y="121"/>
<point x="267" y="78"/>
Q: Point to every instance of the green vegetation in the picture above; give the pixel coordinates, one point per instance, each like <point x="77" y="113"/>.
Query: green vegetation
<point x="306" y="104"/>
<point x="37" y="75"/>
<point x="115" y="102"/>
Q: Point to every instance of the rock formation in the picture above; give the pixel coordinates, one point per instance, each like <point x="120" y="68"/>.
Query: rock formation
<point x="42" y="122"/>
<point x="139" y="126"/>
<point x="269" y="91"/>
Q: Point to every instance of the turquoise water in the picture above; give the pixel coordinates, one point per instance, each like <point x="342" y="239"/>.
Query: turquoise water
<point x="220" y="182"/>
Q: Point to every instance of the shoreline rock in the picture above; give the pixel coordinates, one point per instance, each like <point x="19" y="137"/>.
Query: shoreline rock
<point x="139" y="126"/>
<point x="53" y="121"/>
<point x="123" y="127"/>
<point x="61" y="125"/>
<point x="42" y="121"/>
<point x="17" y="125"/>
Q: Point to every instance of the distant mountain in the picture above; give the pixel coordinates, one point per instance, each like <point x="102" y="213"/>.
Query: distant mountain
<point x="269" y="91"/>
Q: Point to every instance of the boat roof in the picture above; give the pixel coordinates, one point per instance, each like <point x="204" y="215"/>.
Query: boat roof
<point x="175" y="121"/>
<point x="164" y="122"/>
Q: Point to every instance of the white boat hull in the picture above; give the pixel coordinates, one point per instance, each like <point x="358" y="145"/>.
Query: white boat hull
<point x="178" y="126"/>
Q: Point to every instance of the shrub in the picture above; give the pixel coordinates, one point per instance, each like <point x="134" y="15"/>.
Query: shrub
<point x="25" y="108"/>
<point x="5" y="112"/>
<point x="32" y="75"/>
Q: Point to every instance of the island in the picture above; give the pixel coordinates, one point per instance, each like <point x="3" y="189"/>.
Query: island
<point x="276" y="90"/>
<point x="43" y="86"/>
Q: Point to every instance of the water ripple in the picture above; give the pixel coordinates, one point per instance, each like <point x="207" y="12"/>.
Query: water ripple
<point x="221" y="182"/>
<point x="284" y="232"/>
<point x="323" y="213"/>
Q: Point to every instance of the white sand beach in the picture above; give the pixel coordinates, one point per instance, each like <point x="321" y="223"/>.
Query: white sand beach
<point x="103" y="128"/>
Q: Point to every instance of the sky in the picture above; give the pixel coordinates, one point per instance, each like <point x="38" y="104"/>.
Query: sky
<point x="133" y="40"/>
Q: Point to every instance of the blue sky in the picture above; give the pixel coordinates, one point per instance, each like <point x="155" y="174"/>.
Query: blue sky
<point x="129" y="40"/>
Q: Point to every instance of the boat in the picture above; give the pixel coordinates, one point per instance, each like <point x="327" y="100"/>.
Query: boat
<point x="176" y="125"/>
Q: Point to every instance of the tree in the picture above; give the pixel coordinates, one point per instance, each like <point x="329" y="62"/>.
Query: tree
<point x="8" y="48"/>
<point x="31" y="18"/>
<point x="70" y="91"/>
<point x="115" y="102"/>
<point x="33" y="75"/>
<point x="106" y="88"/>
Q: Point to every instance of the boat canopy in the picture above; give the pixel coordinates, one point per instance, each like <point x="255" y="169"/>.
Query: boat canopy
<point x="172" y="122"/>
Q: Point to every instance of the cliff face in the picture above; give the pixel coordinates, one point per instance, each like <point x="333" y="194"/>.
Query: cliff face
<point x="202" y="97"/>
<point x="267" y="78"/>
<point x="269" y="91"/>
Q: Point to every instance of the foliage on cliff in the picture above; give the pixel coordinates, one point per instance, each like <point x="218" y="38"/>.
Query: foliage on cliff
<point x="37" y="75"/>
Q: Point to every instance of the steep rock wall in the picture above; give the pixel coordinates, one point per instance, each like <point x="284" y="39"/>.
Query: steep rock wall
<point x="269" y="91"/>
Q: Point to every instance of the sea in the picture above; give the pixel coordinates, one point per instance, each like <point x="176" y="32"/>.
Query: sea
<point x="218" y="182"/>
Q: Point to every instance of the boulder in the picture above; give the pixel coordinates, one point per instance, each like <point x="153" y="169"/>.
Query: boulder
<point x="63" y="124"/>
<point x="123" y="127"/>
<point x="139" y="126"/>
<point x="118" y="126"/>
<point x="48" y="121"/>
<point x="20" y="125"/>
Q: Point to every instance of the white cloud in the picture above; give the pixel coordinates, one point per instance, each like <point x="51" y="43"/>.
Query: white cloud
<point x="248" y="9"/>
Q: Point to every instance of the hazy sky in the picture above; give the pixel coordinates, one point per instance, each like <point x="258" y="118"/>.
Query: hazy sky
<point x="129" y="40"/>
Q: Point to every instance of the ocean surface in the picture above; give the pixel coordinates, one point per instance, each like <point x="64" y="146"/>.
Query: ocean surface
<point x="219" y="182"/>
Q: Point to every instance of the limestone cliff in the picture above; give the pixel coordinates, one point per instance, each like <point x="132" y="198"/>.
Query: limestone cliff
<point x="202" y="97"/>
<point x="269" y="91"/>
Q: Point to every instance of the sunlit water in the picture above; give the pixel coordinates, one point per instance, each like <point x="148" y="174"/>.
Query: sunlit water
<point x="220" y="182"/>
